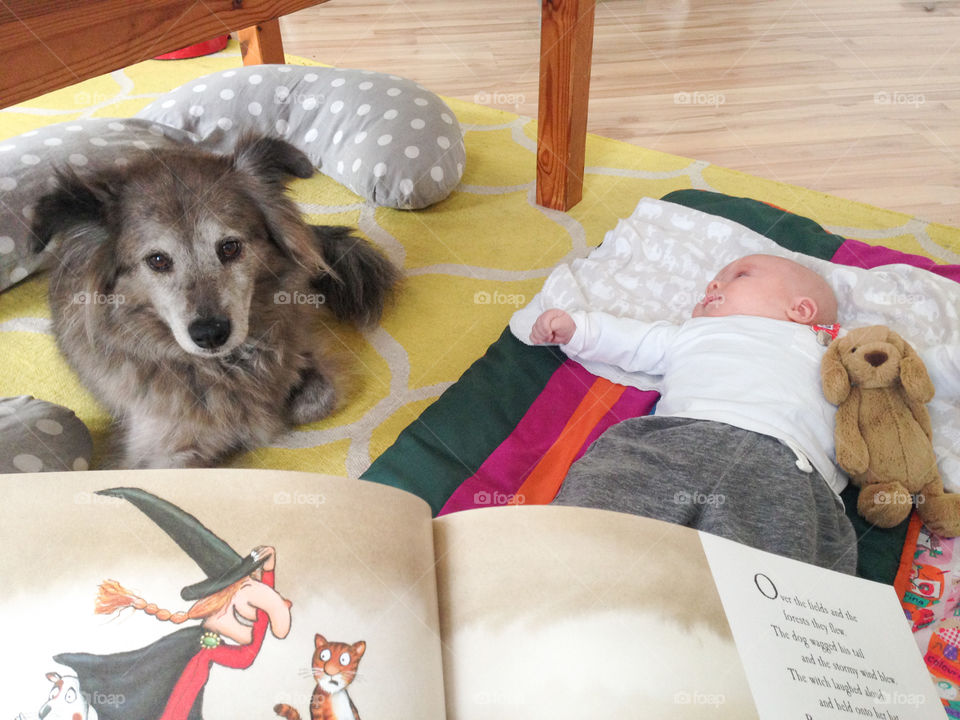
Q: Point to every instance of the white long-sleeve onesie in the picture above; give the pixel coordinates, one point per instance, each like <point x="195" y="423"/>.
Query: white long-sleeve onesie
<point x="755" y="373"/>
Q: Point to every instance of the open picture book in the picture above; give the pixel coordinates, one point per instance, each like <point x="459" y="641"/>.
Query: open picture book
<point x="229" y="594"/>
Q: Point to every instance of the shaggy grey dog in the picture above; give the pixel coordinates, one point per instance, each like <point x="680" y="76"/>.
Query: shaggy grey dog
<point x="188" y="295"/>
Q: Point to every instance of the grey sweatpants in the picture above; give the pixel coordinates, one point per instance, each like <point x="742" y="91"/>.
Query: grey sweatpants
<point x="724" y="480"/>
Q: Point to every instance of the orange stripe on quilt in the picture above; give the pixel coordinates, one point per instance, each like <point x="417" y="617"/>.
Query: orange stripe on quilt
<point x="543" y="482"/>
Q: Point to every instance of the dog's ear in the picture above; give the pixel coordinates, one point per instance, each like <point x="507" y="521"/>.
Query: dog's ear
<point x="833" y="375"/>
<point x="913" y="373"/>
<point x="78" y="217"/>
<point x="79" y="213"/>
<point x="73" y="205"/>
<point x="272" y="163"/>
<point x="272" y="160"/>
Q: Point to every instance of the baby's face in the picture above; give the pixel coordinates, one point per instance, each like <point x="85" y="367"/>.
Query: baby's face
<point x="760" y="285"/>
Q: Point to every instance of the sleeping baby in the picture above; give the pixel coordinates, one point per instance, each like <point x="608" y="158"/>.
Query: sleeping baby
<point x="741" y="442"/>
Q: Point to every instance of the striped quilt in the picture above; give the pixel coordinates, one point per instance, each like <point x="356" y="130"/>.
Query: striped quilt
<point x="509" y="429"/>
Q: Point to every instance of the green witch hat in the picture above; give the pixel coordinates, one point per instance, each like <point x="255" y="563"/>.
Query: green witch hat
<point x="222" y="564"/>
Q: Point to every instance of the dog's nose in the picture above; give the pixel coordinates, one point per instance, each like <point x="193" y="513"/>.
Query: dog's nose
<point x="876" y="358"/>
<point x="210" y="333"/>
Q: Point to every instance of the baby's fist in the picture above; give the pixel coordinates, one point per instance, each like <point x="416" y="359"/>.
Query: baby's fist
<point x="553" y="326"/>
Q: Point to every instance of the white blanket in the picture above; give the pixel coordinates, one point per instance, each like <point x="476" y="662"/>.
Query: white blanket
<point x="656" y="264"/>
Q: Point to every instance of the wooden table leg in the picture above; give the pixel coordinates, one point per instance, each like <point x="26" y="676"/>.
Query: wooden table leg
<point x="566" y="46"/>
<point x="262" y="44"/>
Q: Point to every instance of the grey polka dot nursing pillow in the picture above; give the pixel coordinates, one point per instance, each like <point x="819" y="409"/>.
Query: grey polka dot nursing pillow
<point x="384" y="137"/>
<point x="38" y="436"/>
<point x="388" y="139"/>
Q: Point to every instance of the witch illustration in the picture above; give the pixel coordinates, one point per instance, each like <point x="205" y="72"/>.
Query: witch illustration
<point x="235" y="603"/>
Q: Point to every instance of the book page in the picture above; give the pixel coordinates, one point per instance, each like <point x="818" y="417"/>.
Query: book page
<point x="557" y="612"/>
<point x="354" y="559"/>
<point x="817" y="644"/>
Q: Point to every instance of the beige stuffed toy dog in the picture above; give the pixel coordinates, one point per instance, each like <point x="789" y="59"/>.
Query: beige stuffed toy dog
<point x="881" y="387"/>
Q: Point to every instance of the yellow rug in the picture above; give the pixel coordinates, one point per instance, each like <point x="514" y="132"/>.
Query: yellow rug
<point x="470" y="260"/>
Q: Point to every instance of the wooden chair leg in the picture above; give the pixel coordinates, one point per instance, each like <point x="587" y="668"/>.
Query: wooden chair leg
<point x="566" y="46"/>
<point x="262" y="44"/>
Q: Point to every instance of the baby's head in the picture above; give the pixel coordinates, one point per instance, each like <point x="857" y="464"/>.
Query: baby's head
<point x="769" y="286"/>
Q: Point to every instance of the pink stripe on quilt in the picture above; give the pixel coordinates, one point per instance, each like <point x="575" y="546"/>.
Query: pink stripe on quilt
<point x="503" y="472"/>
<point x="859" y="254"/>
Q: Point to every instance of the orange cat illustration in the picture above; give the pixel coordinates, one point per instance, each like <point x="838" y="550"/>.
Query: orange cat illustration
<point x="334" y="667"/>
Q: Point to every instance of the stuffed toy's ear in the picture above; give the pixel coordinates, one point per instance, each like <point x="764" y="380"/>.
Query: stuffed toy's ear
<point x="913" y="373"/>
<point x="833" y="375"/>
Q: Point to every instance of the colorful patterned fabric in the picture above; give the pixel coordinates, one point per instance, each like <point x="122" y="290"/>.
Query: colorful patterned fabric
<point x="546" y="410"/>
<point x="928" y="583"/>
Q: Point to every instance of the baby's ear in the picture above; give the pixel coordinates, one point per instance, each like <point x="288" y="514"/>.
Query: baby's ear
<point x="803" y="310"/>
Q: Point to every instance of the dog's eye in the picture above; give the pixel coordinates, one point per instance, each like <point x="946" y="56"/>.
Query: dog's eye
<point x="853" y="349"/>
<point x="158" y="262"/>
<point x="229" y="249"/>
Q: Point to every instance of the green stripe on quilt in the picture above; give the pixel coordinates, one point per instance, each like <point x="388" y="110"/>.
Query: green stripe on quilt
<point x="793" y="232"/>
<point x="452" y="437"/>
<point x="878" y="549"/>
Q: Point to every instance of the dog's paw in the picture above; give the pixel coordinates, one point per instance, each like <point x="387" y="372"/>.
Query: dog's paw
<point x="311" y="399"/>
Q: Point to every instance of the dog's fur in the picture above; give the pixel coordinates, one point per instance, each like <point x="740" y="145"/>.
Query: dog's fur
<point x="186" y="293"/>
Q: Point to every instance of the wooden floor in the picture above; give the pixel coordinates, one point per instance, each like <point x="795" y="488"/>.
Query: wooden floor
<point x="854" y="98"/>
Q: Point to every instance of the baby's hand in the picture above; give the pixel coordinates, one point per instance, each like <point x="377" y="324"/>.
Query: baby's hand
<point x="553" y="326"/>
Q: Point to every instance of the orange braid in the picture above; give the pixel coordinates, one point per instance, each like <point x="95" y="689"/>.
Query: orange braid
<point x="113" y="597"/>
